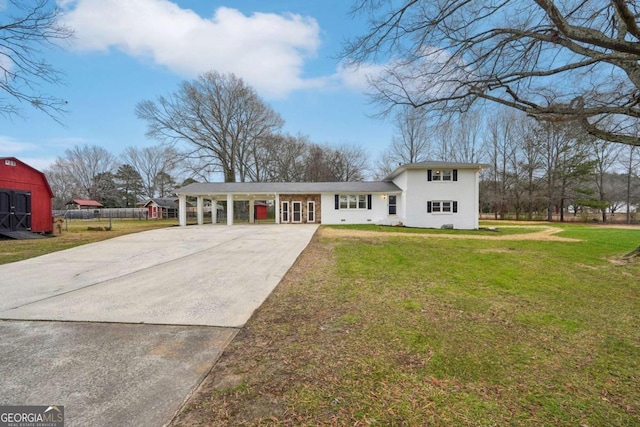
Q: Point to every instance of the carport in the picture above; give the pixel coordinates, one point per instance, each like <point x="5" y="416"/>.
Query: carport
<point x="295" y="202"/>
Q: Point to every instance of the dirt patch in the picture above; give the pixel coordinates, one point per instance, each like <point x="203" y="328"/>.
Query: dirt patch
<point x="546" y="233"/>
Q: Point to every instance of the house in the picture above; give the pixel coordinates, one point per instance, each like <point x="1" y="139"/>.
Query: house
<point x="25" y="198"/>
<point x="83" y="204"/>
<point x="425" y="194"/>
<point x="162" y="207"/>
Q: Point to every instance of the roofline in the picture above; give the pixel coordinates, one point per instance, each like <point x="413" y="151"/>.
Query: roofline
<point x="434" y="164"/>
<point x="46" y="181"/>
<point x="274" y="193"/>
<point x="271" y="189"/>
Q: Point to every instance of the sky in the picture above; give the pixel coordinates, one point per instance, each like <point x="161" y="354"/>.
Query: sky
<point x="127" y="51"/>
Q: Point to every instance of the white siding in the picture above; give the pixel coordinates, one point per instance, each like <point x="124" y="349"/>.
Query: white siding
<point x="419" y="191"/>
<point x="375" y="215"/>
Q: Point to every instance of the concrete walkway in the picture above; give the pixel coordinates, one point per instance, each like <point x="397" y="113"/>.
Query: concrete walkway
<point x="171" y="299"/>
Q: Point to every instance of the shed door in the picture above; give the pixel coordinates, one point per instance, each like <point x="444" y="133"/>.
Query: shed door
<point x="15" y="210"/>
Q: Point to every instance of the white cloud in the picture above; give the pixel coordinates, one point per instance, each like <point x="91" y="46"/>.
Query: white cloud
<point x="40" y="163"/>
<point x="266" y="50"/>
<point x="12" y="147"/>
<point x="357" y="76"/>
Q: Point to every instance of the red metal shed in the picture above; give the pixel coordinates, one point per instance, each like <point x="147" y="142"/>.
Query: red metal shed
<point x="260" y="210"/>
<point x="25" y="198"/>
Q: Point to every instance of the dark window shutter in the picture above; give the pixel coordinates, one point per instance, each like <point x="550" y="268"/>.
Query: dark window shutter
<point x="455" y="207"/>
<point x="337" y="201"/>
<point x="429" y="172"/>
<point x="455" y="174"/>
<point x="428" y="207"/>
<point x="369" y="201"/>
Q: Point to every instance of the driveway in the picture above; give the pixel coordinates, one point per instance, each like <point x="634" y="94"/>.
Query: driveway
<point x="121" y="332"/>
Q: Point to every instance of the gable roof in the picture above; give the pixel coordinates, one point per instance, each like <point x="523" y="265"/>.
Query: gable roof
<point x="220" y="188"/>
<point x="430" y="164"/>
<point x="42" y="175"/>
<point x="85" y="202"/>
<point x="163" y="202"/>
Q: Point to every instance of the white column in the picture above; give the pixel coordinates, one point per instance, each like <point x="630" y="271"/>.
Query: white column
<point x="277" y="211"/>
<point x="200" y="210"/>
<point x="214" y="211"/>
<point x="252" y="217"/>
<point x="229" y="209"/>
<point x="182" y="210"/>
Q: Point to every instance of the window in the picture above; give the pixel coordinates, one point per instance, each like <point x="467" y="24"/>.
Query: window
<point x="353" y="201"/>
<point x="442" y="175"/>
<point x="285" y="212"/>
<point x="392" y="205"/>
<point x="442" y="206"/>
<point x="362" y="201"/>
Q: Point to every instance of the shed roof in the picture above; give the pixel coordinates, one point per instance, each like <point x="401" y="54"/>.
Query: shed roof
<point x="219" y="188"/>
<point x="163" y="202"/>
<point x="85" y="202"/>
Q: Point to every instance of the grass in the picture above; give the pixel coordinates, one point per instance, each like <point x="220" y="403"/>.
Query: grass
<point x="397" y="331"/>
<point x="74" y="233"/>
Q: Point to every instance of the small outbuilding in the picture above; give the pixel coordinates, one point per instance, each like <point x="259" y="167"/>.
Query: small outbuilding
<point x="83" y="204"/>
<point x="162" y="207"/>
<point x="25" y="198"/>
<point x="260" y="210"/>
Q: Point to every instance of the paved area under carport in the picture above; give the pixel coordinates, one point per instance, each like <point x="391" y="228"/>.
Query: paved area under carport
<point x="120" y="332"/>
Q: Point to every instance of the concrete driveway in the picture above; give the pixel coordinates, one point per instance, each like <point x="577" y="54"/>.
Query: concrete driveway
<point x="121" y="332"/>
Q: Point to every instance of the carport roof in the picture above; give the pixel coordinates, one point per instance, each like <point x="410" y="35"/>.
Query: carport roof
<point x="211" y="188"/>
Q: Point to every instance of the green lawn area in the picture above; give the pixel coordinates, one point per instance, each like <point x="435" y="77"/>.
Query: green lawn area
<point x="409" y="331"/>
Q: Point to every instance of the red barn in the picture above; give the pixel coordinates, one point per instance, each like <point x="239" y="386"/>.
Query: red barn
<point x="25" y="198"/>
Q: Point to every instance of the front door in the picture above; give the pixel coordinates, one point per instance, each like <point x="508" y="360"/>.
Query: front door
<point x="15" y="210"/>
<point x="297" y="212"/>
<point x="311" y="211"/>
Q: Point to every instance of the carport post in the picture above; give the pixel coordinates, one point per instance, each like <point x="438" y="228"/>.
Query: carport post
<point x="277" y="208"/>
<point x="200" y="210"/>
<point x="252" y="218"/>
<point x="182" y="210"/>
<point x="229" y="209"/>
<point x="214" y="211"/>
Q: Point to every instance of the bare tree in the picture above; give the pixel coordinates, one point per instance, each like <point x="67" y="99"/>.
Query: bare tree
<point x="605" y="155"/>
<point x="554" y="60"/>
<point x="153" y="164"/>
<point x="412" y="142"/>
<point x="26" y="27"/>
<point x="61" y="182"/>
<point x="87" y="167"/>
<point x="630" y="161"/>
<point x="283" y="158"/>
<point x="563" y="161"/>
<point x="349" y="163"/>
<point x="218" y="116"/>
<point x="502" y="148"/>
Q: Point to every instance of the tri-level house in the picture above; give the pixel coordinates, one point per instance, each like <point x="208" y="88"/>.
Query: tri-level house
<point x="426" y="194"/>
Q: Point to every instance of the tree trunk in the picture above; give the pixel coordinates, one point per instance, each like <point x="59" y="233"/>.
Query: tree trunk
<point x="633" y="253"/>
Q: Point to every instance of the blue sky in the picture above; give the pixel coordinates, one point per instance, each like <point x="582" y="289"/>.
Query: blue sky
<point x="127" y="51"/>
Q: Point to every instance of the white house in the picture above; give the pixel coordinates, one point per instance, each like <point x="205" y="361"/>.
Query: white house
<point x="426" y="194"/>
